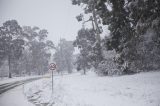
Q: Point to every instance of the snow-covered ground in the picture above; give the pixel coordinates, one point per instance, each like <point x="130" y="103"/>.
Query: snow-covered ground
<point x="10" y="80"/>
<point x="90" y="90"/>
<point x="14" y="97"/>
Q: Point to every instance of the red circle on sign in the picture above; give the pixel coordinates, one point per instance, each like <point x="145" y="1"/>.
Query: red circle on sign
<point x="52" y="66"/>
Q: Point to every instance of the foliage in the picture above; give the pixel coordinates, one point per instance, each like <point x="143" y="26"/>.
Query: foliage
<point x="130" y="22"/>
<point x="64" y="56"/>
<point x="25" y="48"/>
<point x="11" y="45"/>
<point x="134" y="31"/>
<point x="38" y="48"/>
<point x="91" y="38"/>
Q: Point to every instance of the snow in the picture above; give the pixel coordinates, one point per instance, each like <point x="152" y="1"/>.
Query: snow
<point x="90" y="90"/>
<point x="14" y="79"/>
<point x="14" y="97"/>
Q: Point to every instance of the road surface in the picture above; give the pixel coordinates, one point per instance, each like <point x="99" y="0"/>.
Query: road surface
<point x="14" y="97"/>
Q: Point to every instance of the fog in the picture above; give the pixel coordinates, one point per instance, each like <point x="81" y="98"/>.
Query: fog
<point x="57" y="16"/>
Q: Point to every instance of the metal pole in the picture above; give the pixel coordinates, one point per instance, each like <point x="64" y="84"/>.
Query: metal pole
<point x="52" y="81"/>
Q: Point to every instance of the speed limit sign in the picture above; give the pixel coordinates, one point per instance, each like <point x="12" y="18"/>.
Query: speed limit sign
<point x="52" y="66"/>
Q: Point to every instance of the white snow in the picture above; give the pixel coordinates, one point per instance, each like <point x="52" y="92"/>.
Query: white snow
<point x="90" y="90"/>
<point x="14" y="97"/>
<point x="10" y="80"/>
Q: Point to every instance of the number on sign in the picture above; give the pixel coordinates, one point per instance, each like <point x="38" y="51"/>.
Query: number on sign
<point x="52" y="66"/>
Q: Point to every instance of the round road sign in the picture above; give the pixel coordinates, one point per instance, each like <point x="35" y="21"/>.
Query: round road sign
<point x="52" y="66"/>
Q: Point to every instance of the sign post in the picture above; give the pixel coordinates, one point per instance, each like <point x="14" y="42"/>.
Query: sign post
<point x="52" y="67"/>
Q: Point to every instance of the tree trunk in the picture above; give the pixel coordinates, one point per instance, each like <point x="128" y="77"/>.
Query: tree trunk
<point x="68" y="66"/>
<point x="98" y="38"/>
<point x="9" y="67"/>
<point x="84" y="70"/>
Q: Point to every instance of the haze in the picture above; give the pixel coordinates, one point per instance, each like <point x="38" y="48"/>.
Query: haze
<point x="57" y="16"/>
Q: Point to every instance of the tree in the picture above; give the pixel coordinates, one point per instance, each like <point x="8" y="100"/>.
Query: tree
<point x="90" y="8"/>
<point x="85" y="41"/>
<point x="26" y="49"/>
<point x="11" y="42"/>
<point x="129" y="22"/>
<point x="38" y="49"/>
<point x="64" y="55"/>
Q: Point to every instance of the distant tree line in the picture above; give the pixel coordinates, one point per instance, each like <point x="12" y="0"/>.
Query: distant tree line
<point x="134" y="36"/>
<point x="26" y="48"/>
<point x="63" y="56"/>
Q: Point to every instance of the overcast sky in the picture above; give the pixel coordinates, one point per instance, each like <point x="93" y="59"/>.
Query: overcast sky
<point x="57" y="16"/>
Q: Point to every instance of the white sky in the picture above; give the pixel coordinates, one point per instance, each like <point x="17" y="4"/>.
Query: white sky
<point x="57" y="16"/>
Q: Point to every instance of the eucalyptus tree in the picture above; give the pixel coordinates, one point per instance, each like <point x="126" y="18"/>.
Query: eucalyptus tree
<point x="38" y="49"/>
<point x="89" y="7"/>
<point x="11" y="45"/>
<point x="134" y="29"/>
<point x="130" y="22"/>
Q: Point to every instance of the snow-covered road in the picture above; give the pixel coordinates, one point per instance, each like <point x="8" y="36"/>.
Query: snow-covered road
<point x="14" y="97"/>
<point x="79" y="90"/>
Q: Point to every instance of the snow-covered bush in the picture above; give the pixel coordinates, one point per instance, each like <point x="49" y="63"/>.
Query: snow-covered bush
<point x="108" y="66"/>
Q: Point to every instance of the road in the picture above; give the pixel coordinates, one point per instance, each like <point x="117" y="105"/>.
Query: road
<point x="11" y="92"/>
<point x="14" y="97"/>
<point x="7" y="86"/>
